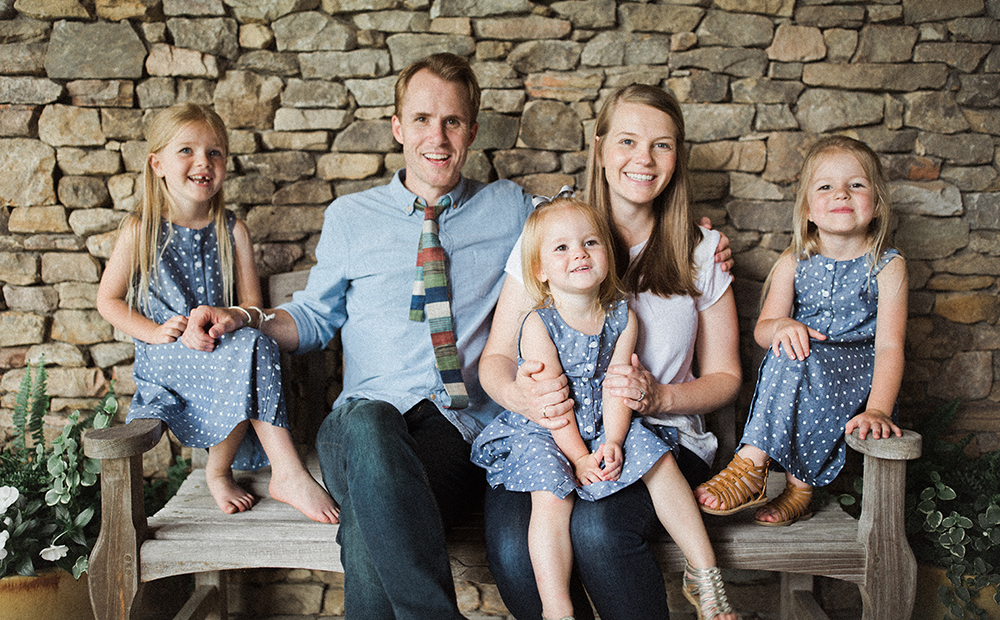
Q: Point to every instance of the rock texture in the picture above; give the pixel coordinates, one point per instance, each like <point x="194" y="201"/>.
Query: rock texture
<point x="306" y="87"/>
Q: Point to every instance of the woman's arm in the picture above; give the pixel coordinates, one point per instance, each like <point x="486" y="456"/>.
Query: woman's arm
<point x="528" y="389"/>
<point x="718" y="383"/>
<point x="113" y="292"/>
<point x="890" y="335"/>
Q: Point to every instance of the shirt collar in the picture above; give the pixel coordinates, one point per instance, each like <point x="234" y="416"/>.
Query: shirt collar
<point x="407" y="197"/>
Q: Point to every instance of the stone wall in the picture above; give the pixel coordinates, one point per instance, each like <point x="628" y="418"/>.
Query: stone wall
<point x="306" y="88"/>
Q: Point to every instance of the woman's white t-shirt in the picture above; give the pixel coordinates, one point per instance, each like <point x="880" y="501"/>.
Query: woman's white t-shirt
<point x="668" y="328"/>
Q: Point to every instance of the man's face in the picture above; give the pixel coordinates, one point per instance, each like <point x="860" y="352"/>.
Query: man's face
<point x="435" y="127"/>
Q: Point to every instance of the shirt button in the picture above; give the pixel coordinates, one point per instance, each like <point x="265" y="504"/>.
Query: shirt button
<point x="433" y="396"/>
<point x="593" y="344"/>
<point x="201" y="289"/>
<point x="586" y="401"/>
<point x="590" y="366"/>
<point x="197" y="237"/>
<point x="198" y="264"/>
<point x="829" y="267"/>
<point x="826" y="293"/>
<point x="589" y="429"/>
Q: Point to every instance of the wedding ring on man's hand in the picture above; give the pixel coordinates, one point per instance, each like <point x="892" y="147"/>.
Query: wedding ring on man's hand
<point x="545" y="411"/>
<point x="642" y="394"/>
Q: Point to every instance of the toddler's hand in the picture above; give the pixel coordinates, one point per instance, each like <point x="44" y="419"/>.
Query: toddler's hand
<point x="171" y="330"/>
<point x="878" y="423"/>
<point x="794" y="337"/>
<point x="587" y="469"/>
<point x="614" y="460"/>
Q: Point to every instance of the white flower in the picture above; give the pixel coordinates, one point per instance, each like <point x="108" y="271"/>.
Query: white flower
<point x="54" y="552"/>
<point x="4" y="537"/>
<point x="8" y="495"/>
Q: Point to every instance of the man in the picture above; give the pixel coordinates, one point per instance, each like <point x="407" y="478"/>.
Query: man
<point x="395" y="450"/>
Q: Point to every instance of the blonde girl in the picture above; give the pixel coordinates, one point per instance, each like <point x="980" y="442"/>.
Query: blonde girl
<point x="580" y="325"/>
<point x="834" y="319"/>
<point x="180" y="249"/>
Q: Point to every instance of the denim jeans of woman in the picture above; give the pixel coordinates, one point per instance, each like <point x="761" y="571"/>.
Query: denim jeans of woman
<point x="613" y="557"/>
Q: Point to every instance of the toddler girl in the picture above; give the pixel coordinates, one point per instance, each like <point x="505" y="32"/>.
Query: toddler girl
<point x="581" y="325"/>
<point x="834" y="318"/>
<point x="181" y="249"/>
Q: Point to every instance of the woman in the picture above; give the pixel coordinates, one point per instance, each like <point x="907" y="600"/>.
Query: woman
<point x="638" y="179"/>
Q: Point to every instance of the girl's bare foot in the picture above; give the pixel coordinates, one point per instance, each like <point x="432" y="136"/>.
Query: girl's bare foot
<point x="230" y="497"/>
<point x="301" y="491"/>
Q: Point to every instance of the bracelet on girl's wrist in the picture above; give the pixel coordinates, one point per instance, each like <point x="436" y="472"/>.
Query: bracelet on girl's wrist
<point x="245" y="313"/>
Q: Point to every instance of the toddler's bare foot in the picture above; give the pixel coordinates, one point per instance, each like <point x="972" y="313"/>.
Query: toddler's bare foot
<point x="302" y="492"/>
<point x="230" y="497"/>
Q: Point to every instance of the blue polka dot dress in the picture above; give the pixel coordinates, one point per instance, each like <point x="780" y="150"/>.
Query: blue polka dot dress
<point x="523" y="456"/>
<point x="800" y="408"/>
<point x="203" y="396"/>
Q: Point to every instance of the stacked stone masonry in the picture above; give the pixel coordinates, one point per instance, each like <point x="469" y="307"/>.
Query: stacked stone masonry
<point x="306" y="87"/>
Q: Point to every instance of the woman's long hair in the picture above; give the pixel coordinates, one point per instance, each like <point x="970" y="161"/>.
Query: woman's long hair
<point x="154" y="205"/>
<point x="665" y="266"/>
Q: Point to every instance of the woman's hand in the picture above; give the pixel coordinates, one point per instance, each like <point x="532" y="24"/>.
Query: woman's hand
<point x="170" y="331"/>
<point x="873" y="421"/>
<point x="794" y="336"/>
<point x="545" y="401"/>
<point x="207" y="323"/>
<point x="637" y="386"/>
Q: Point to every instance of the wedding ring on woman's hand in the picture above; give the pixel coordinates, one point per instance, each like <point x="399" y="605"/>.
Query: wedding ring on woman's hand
<point x="642" y="394"/>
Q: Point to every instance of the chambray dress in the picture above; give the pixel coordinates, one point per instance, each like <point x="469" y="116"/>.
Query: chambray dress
<point x="800" y="408"/>
<point x="203" y="396"/>
<point x="523" y="456"/>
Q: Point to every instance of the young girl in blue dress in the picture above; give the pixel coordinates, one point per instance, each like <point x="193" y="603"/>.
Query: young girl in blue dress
<point x="834" y="319"/>
<point x="182" y="249"/>
<point x="580" y="326"/>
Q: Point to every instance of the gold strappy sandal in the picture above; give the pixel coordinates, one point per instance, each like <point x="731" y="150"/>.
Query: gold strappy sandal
<point x="791" y="506"/>
<point x="730" y="489"/>
<point x="703" y="588"/>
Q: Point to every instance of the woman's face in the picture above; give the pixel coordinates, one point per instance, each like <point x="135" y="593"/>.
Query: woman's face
<point x="639" y="154"/>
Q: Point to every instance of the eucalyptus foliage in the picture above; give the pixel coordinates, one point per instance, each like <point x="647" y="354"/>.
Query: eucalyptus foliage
<point x="953" y="516"/>
<point x="48" y="494"/>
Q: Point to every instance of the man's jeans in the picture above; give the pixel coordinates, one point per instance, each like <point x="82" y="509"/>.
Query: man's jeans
<point x="386" y="471"/>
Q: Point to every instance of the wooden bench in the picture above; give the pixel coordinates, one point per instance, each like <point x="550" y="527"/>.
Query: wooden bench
<point x="190" y="535"/>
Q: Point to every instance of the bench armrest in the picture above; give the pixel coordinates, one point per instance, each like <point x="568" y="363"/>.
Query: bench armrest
<point x="117" y="442"/>
<point x="905" y="448"/>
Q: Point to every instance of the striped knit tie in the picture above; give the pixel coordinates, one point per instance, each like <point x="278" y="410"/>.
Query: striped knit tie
<point x="430" y="293"/>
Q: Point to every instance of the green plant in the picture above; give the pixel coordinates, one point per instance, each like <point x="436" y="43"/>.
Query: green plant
<point x="48" y="494"/>
<point x="953" y="515"/>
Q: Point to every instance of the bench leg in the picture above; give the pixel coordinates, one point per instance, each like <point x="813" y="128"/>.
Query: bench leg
<point x="208" y="601"/>
<point x="890" y="585"/>
<point x="114" y="563"/>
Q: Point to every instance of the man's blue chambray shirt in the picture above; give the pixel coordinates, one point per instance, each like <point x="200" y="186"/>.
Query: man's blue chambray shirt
<point x="363" y="281"/>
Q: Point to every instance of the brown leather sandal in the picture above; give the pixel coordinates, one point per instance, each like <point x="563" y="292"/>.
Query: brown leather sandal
<point x="791" y="506"/>
<point x="729" y="487"/>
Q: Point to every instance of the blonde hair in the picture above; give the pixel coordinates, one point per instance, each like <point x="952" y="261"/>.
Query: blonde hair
<point x="666" y="264"/>
<point x="154" y="205"/>
<point x="610" y="290"/>
<point x="805" y="234"/>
